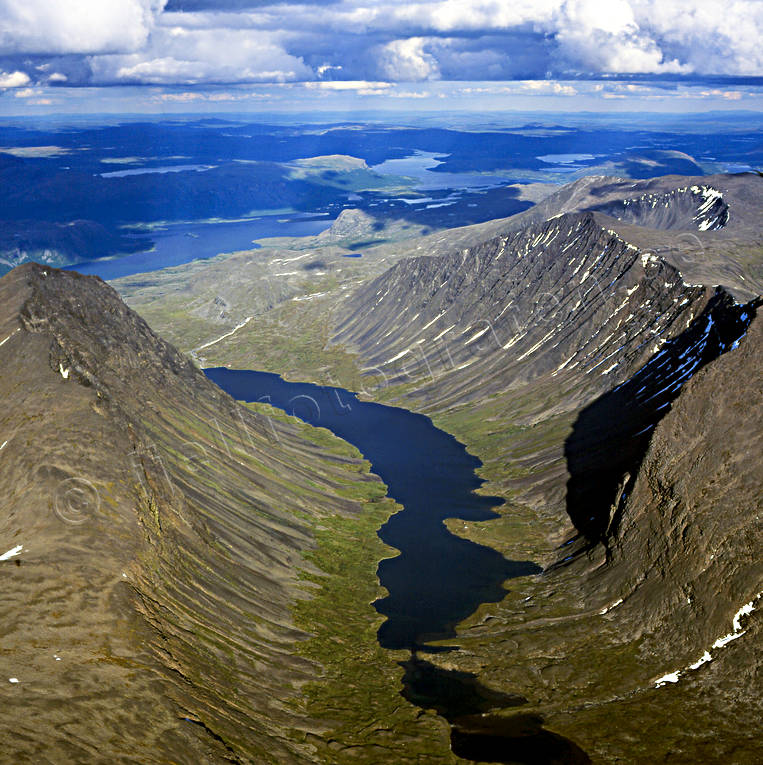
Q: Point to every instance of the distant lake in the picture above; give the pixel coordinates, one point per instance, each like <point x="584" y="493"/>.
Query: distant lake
<point x="179" y="243"/>
<point x="420" y="166"/>
<point x="438" y="579"/>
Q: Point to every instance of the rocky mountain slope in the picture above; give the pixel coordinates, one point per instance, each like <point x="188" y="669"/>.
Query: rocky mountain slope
<point x="582" y="369"/>
<point x="153" y="536"/>
<point x="565" y="296"/>
<point x="579" y="349"/>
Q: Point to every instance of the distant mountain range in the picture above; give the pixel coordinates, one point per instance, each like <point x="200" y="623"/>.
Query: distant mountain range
<point x="81" y="192"/>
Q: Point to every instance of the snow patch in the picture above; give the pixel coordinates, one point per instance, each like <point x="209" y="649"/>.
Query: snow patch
<point x="477" y="336"/>
<point x="745" y="610"/>
<point x="429" y="324"/>
<point x="12" y="552"/>
<point x="608" y="608"/>
<point x="647" y="258"/>
<point x="536" y="346"/>
<point x="64" y="372"/>
<point x="444" y="332"/>
<point x="726" y="639"/>
<point x="704" y="659"/>
<point x="671" y="677"/>
<point x="399" y="356"/>
<point x="707" y="657"/>
<point x="8" y="338"/>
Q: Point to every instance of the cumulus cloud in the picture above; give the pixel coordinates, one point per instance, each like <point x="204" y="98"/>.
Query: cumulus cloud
<point x="177" y="55"/>
<point x="216" y="41"/>
<point x="76" y="26"/>
<point x="14" y="79"/>
<point x="408" y="60"/>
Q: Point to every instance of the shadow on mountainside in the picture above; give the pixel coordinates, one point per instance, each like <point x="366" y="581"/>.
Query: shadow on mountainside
<point x="611" y="436"/>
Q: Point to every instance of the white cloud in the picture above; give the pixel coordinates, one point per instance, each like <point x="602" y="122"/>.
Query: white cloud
<point x="547" y="88"/>
<point x="14" y="80"/>
<point x="323" y="68"/>
<point x="408" y="61"/>
<point x="76" y="26"/>
<point x="348" y="85"/>
<point x="136" y="41"/>
<point x="605" y="36"/>
<point x="189" y="56"/>
<point x="729" y="95"/>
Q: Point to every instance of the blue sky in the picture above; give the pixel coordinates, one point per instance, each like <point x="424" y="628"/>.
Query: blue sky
<point x="241" y="55"/>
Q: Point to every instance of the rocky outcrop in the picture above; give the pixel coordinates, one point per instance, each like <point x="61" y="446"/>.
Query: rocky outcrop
<point x="350" y="225"/>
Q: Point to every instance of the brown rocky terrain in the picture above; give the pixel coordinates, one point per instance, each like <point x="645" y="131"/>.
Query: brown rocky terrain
<point x="155" y="532"/>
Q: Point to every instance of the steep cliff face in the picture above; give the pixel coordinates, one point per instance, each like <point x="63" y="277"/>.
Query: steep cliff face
<point x="685" y="555"/>
<point x="564" y="298"/>
<point x="154" y="532"/>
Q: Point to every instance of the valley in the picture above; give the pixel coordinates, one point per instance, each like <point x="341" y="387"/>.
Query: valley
<point x="508" y="514"/>
<point x="381" y="382"/>
<point x="530" y="339"/>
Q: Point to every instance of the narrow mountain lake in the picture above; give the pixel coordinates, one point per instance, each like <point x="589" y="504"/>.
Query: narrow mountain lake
<point x="438" y="579"/>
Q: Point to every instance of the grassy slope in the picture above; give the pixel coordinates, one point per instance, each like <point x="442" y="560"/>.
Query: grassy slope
<point x="356" y="689"/>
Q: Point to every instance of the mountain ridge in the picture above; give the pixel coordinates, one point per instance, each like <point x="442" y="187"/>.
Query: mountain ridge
<point x="156" y="572"/>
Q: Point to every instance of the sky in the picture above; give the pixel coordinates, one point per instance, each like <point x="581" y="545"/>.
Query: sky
<point x="222" y="55"/>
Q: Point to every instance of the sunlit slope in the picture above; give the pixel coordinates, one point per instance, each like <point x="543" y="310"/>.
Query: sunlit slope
<point x="158" y="537"/>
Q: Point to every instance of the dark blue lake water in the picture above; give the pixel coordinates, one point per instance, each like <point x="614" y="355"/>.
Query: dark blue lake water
<point x="438" y="579"/>
<point x="178" y="243"/>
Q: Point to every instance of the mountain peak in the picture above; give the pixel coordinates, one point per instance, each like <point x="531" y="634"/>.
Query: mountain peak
<point x="141" y="496"/>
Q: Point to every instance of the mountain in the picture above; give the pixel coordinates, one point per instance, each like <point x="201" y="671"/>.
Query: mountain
<point x="617" y="407"/>
<point x="669" y="216"/>
<point x="598" y="353"/>
<point x="158" y="538"/>
<point x="544" y="300"/>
